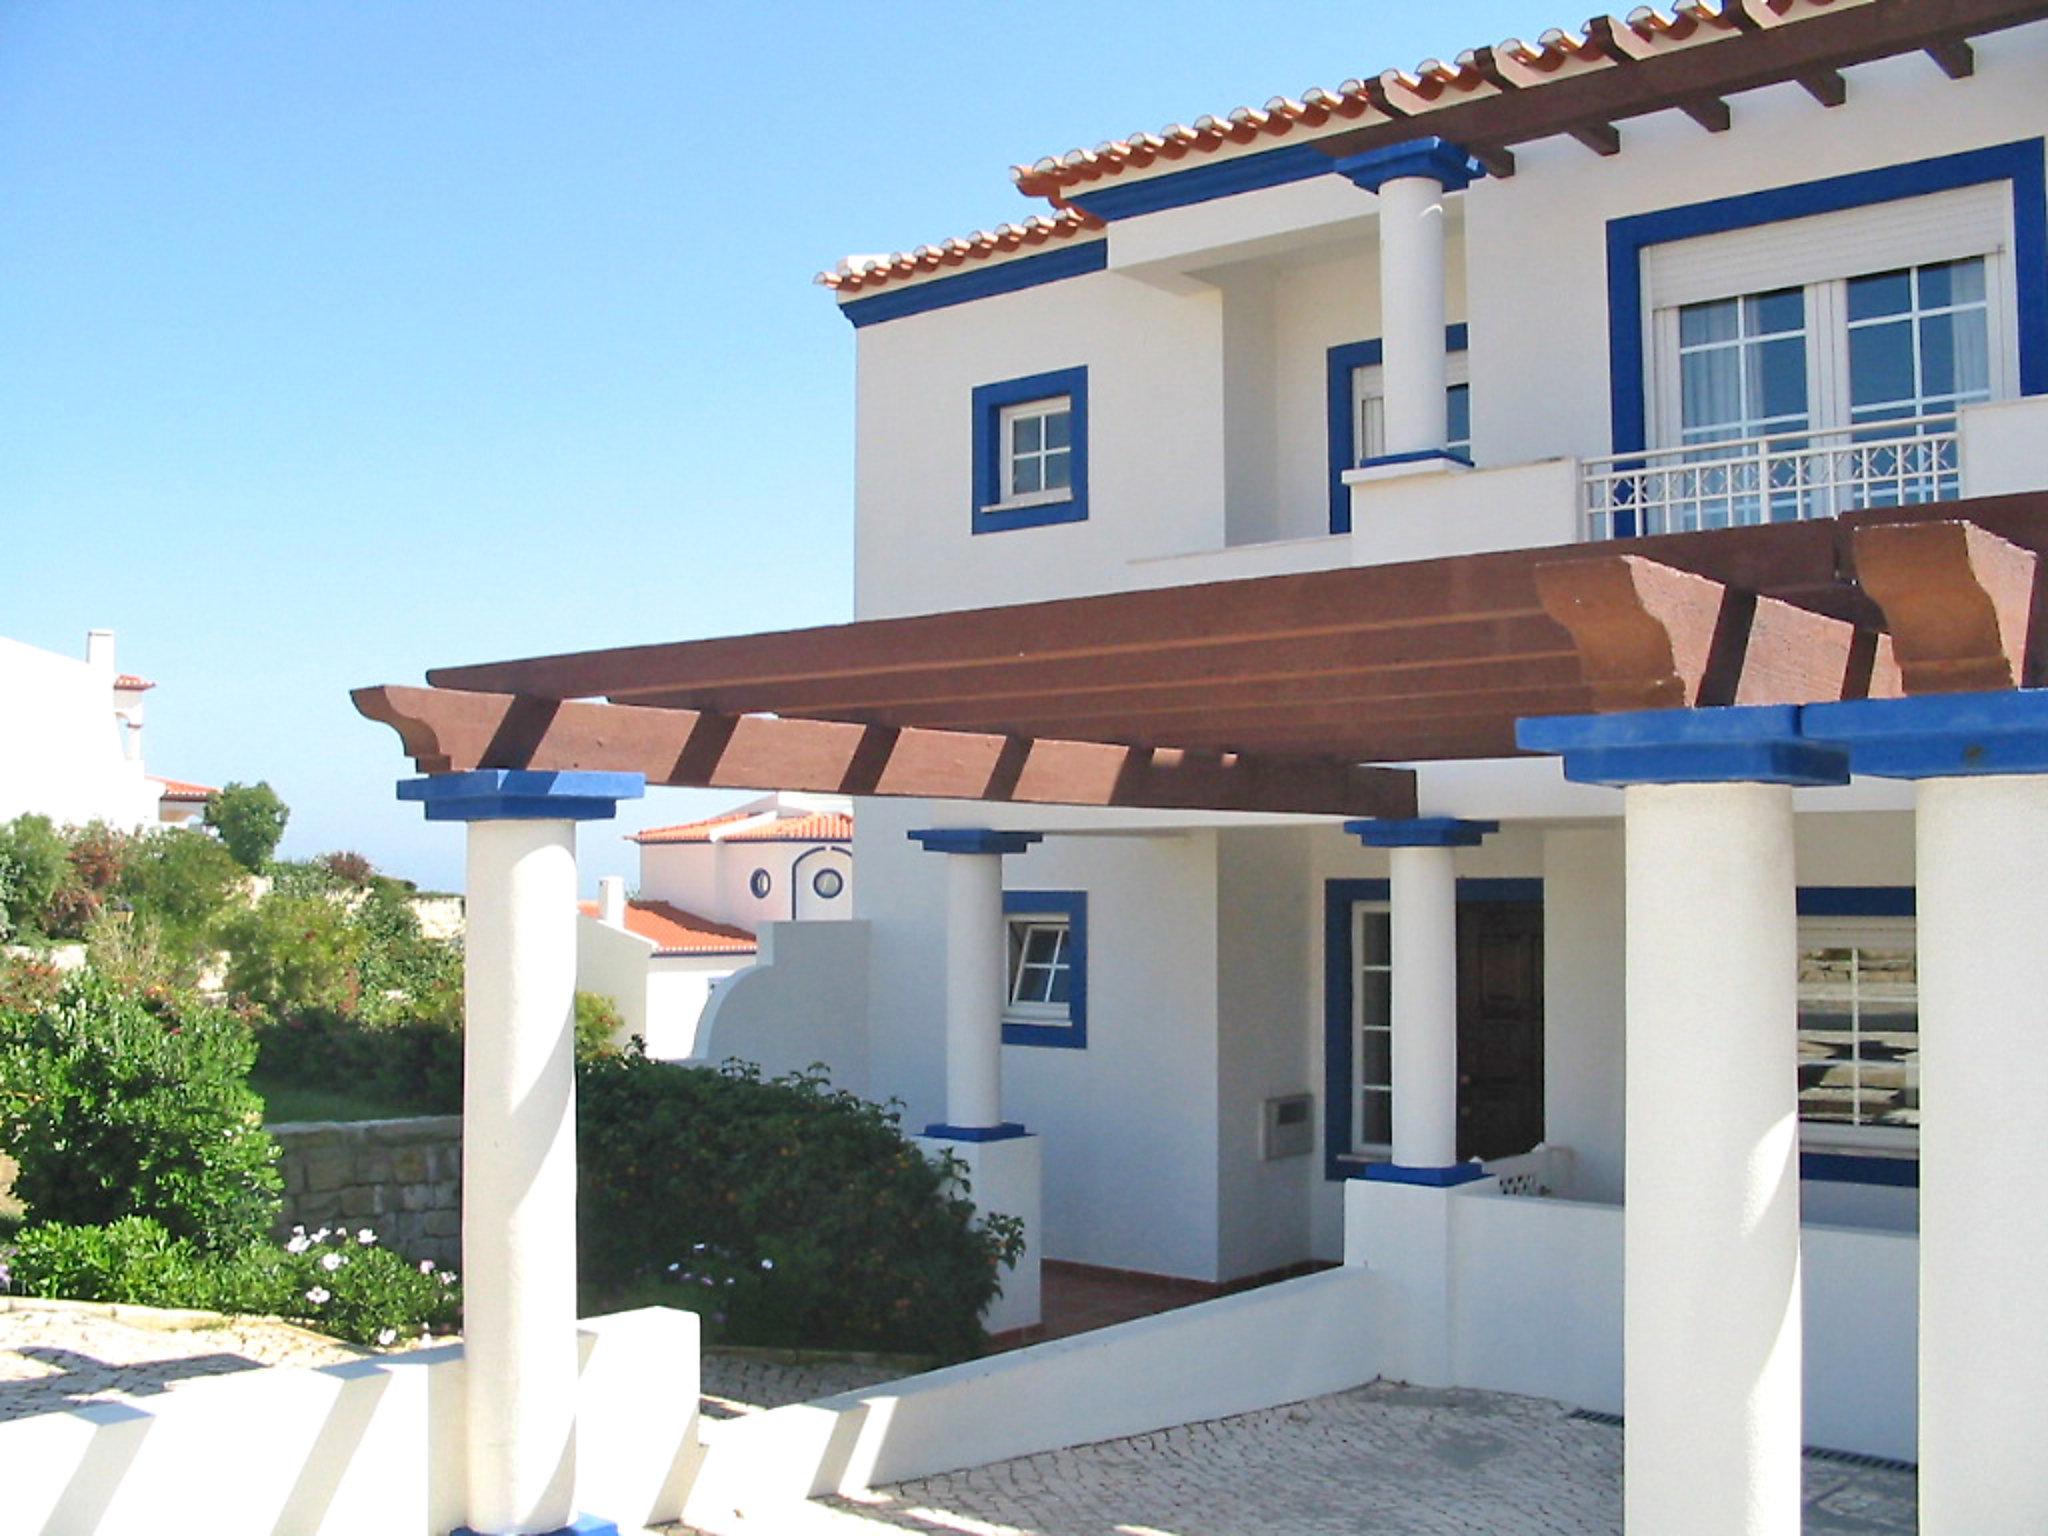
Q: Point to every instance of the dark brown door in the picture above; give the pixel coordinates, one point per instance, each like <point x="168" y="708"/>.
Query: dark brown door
<point x="1500" y="1027"/>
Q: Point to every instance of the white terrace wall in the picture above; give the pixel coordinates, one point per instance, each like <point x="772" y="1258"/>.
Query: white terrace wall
<point x="372" y="1446"/>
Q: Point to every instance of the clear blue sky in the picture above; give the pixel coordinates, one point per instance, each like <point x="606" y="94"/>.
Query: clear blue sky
<point x="342" y="340"/>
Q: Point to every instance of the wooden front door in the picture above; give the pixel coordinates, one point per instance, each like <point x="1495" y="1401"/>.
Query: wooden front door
<point x="1500" y="1027"/>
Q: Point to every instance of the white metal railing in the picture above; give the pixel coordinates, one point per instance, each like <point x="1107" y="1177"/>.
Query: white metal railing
<point x="1781" y="478"/>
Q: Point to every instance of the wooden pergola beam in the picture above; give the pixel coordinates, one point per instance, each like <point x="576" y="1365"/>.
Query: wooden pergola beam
<point x="1651" y="637"/>
<point x="451" y="731"/>
<point x="1965" y="607"/>
<point x="1805" y="50"/>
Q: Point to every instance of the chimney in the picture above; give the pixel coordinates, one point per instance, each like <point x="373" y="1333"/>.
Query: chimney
<point x="99" y="650"/>
<point x="611" y="900"/>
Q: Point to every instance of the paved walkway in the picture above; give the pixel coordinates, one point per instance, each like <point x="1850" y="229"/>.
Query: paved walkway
<point x="1381" y="1460"/>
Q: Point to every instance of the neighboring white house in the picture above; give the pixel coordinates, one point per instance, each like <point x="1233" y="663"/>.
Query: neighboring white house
<point x="706" y="889"/>
<point x="74" y="750"/>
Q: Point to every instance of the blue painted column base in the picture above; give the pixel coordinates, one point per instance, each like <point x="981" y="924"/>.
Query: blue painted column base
<point x="586" y="1525"/>
<point x="1009" y="1130"/>
<point x="1429" y="1178"/>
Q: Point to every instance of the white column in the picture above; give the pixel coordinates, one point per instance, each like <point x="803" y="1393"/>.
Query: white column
<point x="519" y="1176"/>
<point x="1413" y="357"/>
<point x="1424" y="923"/>
<point x="1712" y="1325"/>
<point x="1983" y="943"/>
<point x="976" y="965"/>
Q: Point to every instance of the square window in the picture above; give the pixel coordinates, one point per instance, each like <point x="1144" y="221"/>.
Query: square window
<point x="1046" y="981"/>
<point x="1031" y="451"/>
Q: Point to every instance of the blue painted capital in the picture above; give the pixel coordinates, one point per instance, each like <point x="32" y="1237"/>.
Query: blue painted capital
<point x="1937" y="735"/>
<point x="1421" y="832"/>
<point x="1749" y="744"/>
<point x="1438" y="159"/>
<point x="973" y="840"/>
<point x="522" y="794"/>
<point x="586" y="1525"/>
<point x="1429" y="1178"/>
<point x="1009" y="1130"/>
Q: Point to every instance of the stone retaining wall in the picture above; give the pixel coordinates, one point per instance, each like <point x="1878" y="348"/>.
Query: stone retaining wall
<point x="400" y="1178"/>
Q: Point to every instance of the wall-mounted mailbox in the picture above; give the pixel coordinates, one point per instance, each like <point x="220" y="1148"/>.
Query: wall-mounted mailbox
<point x="1290" y="1127"/>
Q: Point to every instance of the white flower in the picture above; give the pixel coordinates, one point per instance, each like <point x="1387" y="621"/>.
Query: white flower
<point x="446" y="1277"/>
<point x="299" y="1241"/>
<point x="332" y="1261"/>
<point x="366" y="1237"/>
<point x="386" y="1337"/>
<point x="322" y="1235"/>
<point x="767" y="1263"/>
<point x="319" y="1294"/>
<point x="426" y="1266"/>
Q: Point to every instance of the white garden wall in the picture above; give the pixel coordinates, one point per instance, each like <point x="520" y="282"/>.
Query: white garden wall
<point x="375" y="1445"/>
<point x="803" y="1002"/>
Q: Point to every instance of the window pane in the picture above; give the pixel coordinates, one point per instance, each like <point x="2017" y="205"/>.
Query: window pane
<point x="1955" y="354"/>
<point x="1881" y="363"/>
<point x="1880" y="293"/>
<point x="1027" y="434"/>
<point x="1780" y="382"/>
<point x="1375" y="1057"/>
<point x="1375" y="1119"/>
<point x="1783" y="309"/>
<point x="1375" y="938"/>
<point x="1375" y="997"/>
<point x="1952" y="282"/>
<point x="1056" y="988"/>
<point x="1701" y="323"/>
<point x="1042" y="945"/>
<point x="1458" y="407"/>
<point x="1059" y="471"/>
<point x="1026" y="477"/>
<point x="1711" y="384"/>
<point x="1058" y="427"/>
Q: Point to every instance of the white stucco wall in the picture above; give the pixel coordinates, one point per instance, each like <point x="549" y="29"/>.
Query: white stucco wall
<point x="62" y="756"/>
<point x="804" y="1002"/>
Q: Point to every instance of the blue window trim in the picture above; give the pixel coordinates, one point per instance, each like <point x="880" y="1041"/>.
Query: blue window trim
<point x="979" y="283"/>
<point x="2020" y="162"/>
<point x="989" y="403"/>
<point x="1856" y="901"/>
<point x="1340" y="363"/>
<point x="1073" y="906"/>
<point x="1338" y="897"/>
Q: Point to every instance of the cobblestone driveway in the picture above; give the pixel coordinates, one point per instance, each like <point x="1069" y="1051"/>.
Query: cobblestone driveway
<point x="1378" y="1461"/>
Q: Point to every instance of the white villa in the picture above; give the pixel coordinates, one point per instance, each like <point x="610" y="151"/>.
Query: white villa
<point x="77" y="755"/>
<point x="1463" y="680"/>
<point x="707" y="888"/>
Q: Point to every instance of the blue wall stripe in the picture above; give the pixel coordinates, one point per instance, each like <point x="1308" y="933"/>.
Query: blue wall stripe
<point x="1856" y="901"/>
<point x="979" y="283"/>
<point x="2020" y="162"/>
<point x="1848" y="1168"/>
<point x="1340" y="362"/>
<point x="1205" y="183"/>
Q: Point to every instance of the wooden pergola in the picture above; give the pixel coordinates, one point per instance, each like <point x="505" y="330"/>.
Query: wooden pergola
<point x="1281" y="693"/>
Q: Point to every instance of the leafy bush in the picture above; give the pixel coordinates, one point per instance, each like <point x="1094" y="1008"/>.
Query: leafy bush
<point x="413" y="1062"/>
<point x="348" y="867"/>
<point x="291" y="953"/>
<point x="250" y="819"/>
<point x="41" y="861"/>
<point x="403" y="974"/>
<point x="113" y="1107"/>
<point x="598" y="1023"/>
<point x="785" y="1212"/>
<point x="182" y="882"/>
<point x="332" y="1281"/>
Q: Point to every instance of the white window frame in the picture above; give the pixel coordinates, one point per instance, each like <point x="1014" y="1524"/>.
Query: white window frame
<point x="1368" y="388"/>
<point x="1021" y="1012"/>
<point x="1877" y="932"/>
<point x="1006" y="459"/>
<point x="1820" y="254"/>
<point x="1358" y="1086"/>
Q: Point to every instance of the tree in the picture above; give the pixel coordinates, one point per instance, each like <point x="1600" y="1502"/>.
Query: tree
<point x="250" y="819"/>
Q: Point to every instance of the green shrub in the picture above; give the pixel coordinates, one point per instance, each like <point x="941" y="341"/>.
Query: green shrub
<point x="331" y="1281"/>
<point x="293" y="953"/>
<point x="413" y="1062"/>
<point x="403" y="974"/>
<point x="250" y="819"/>
<point x="598" y="1023"/>
<point x="41" y="861"/>
<point x="113" y="1107"/>
<point x="184" y="883"/>
<point x="785" y="1212"/>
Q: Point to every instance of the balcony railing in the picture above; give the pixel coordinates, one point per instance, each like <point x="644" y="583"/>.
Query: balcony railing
<point x="1781" y="478"/>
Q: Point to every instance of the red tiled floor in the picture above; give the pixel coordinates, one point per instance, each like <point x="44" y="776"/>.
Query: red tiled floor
<point x="1078" y="1298"/>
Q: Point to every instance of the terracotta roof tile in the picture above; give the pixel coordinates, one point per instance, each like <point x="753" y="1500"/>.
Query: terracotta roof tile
<point x="676" y="932"/>
<point x="178" y="789"/>
<point x="1391" y="96"/>
<point x="818" y="827"/>
<point x="128" y="682"/>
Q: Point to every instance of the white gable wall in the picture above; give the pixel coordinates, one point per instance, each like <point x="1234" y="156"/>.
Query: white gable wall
<point x="63" y="757"/>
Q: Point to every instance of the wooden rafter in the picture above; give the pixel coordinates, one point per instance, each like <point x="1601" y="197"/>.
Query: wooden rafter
<point x="452" y="731"/>
<point x="1809" y="51"/>
<point x="1825" y="86"/>
<point x="1958" y="60"/>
